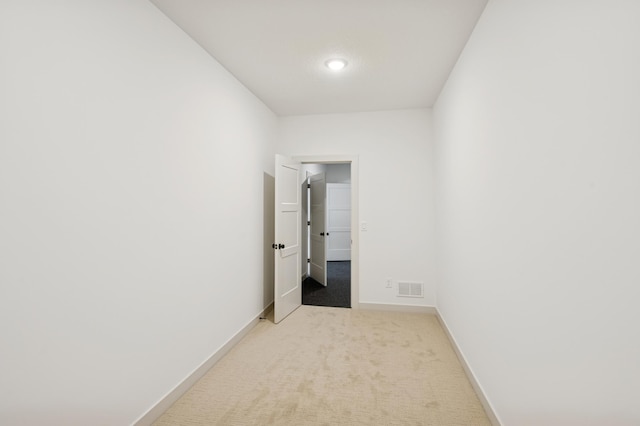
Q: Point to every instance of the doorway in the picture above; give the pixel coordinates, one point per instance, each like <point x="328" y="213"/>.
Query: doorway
<point x="327" y="234"/>
<point x="288" y="230"/>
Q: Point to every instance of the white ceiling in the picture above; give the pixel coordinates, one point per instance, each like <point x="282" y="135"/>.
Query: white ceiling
<point x="400" y="52"/>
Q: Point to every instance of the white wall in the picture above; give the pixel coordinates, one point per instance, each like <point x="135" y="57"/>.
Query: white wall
<point x="338" y="173"/>
<point x="313" y="169"/>
<point x="538" y="181"/>
<point x="131" y="248"/>
<point x="396" y="184"/>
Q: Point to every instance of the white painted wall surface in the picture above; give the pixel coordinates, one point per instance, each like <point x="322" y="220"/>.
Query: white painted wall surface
<point x="338" y="173"/>
<point x="311" y="169"/>
<point x="538" y="171"/>
<point x="131" y="248"/>
<point x="396" y="191"/>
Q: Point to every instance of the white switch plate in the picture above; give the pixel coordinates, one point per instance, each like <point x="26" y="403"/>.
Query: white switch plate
<point x="363" y="226"/>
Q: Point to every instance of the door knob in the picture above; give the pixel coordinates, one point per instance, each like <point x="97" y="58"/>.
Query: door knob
<point x="280" y="246"/>
<point x="322" y="234"/>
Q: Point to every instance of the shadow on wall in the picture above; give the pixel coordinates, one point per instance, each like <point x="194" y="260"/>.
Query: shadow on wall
<point x="269" y="193"/>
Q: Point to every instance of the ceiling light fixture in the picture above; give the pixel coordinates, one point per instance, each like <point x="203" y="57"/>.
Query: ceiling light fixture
<point x="336" y="64"/>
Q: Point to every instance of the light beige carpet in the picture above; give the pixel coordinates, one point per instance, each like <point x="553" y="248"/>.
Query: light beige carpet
<point x="335" y="366"/>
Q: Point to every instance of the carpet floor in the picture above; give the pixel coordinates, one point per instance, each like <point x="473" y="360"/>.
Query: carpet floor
<point x="336" y="293"/>
<point x="332" y="366"/>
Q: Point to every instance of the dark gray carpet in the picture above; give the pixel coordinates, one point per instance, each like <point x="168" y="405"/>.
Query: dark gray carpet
<point x="337" y="293"/>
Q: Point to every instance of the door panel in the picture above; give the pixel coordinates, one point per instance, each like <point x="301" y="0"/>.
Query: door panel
<point x="288" y="288"/>
<point x="338" y="221"/>
<point x="318" y="265"/>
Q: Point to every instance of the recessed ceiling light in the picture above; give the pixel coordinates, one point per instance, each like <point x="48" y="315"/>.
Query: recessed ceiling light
<point x="336" y="64"/>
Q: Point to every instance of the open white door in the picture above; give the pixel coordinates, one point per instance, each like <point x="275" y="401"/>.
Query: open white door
<point x="318" y="264"/>
<point x="288" y="287"/>
<point x="338" y="221"/>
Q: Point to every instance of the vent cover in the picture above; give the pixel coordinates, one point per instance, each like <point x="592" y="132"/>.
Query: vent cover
<point x="407" y="289"/>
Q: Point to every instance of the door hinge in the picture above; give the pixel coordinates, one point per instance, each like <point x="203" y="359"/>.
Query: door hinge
<point x="308" y="186"/>
<point x="308" y="223"/>
<point x="308" y="260"/>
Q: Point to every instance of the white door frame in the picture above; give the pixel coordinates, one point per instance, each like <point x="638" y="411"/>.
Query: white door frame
<point x="355" y="215"/>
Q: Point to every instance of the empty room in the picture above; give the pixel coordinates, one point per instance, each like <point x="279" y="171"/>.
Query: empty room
<point x="152" y="161"/>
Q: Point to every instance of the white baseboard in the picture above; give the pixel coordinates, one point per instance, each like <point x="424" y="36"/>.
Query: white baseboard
<point x="488" y="408"/>
<point x="172" y="396"/>
<point x="397" y="308"/>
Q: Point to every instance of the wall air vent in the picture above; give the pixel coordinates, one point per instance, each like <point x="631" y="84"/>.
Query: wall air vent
<point x="410" y="289"/>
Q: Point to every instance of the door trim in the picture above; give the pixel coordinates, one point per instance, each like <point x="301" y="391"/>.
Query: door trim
<point x="355" y="213"/>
